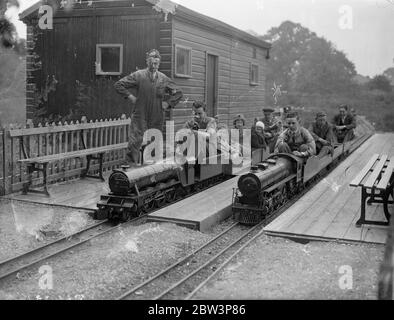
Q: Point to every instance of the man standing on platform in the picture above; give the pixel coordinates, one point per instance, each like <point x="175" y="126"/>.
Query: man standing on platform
<point x="322" y="132"/>
<point x="152" y="93"/>
<point x="295" y="139"/>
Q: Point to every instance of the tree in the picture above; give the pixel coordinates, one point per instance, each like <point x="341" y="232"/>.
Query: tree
<point x="389" y="74"/>
<point x="303" y="62"/>
<point x="7" y="29"/>
<point x="380" y="82"/>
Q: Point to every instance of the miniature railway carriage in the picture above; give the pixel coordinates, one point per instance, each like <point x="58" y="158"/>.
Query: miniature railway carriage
<point x="272" y="182"/>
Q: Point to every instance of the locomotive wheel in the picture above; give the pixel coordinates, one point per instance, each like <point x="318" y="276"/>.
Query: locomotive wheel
<point x="158" y="203"/>
<point x="147" y="207"/>
<point x="125" y="216"/>
<point x="170" y="196"/>
<point x="180" y="193"/>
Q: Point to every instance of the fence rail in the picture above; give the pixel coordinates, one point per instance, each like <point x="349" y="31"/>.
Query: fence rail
<point x="16" y="143"/>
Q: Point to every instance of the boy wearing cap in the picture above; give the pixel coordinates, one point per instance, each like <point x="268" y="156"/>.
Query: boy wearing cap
<point x="295" y="139"/>
<point x="150" y="92"/>
<point x="272" y="128"/>
<point x="344" y="124"/>
<point x="322" y="132"/>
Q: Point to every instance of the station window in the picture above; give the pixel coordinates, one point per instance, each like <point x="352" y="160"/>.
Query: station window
<point x="183" y="61"/>
<point x="254" y="53"/>
<point x="109" y="59"/>
<point x="254" y="74"/>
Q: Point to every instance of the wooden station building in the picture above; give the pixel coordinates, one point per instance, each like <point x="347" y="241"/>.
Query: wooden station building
<point x="92" y="44"/>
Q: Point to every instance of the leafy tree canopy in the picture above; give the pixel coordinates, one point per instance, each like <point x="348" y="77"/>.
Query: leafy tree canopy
<point x="7" y="30"/>
<point x="380" y="82"/>
<point x="303" y="62"/>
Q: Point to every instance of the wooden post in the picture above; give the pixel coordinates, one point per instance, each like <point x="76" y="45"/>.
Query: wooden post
<point x="124" y="136"/>
<point x="7" y="161"/>
<point x="2" y="186"/>
<point x="386" y="273"/>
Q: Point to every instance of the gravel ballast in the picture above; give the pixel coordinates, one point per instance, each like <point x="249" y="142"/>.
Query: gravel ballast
<point x="26" y="226"/>
<point x="277" y="268"/>
<point x="109" y="265"/>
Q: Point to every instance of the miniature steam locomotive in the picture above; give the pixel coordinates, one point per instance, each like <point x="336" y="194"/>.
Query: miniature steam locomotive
<point x="272" y="182"/>
<point x="137" y="191"/>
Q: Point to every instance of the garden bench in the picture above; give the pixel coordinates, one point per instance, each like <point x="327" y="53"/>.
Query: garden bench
<point x="376" y="180"/>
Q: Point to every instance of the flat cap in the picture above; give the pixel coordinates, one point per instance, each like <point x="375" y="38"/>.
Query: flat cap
<point x="292" y="114"/>
<point x="268" y="110"/>
<point x="320" y="114"/>
<point x="154" y="53"/>
<point x="239" y="117"/>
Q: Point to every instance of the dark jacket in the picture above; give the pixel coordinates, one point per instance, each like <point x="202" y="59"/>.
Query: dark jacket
<point x="349" y="121"/>
<point x="324" y="132"/>
<point x="257" y="140"/>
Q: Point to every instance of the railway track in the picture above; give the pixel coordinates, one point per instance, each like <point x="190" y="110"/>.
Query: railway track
<point x="14" y="265"/>
<point x="183" y="279"/>
<point x="192" y="272"/>
<point x="31" y="258"/>
<point x="200" y="265"/>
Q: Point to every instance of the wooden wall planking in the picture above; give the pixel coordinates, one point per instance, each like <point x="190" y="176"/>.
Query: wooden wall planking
<point x="140" y="29"/>
<point x="235" y="94"/>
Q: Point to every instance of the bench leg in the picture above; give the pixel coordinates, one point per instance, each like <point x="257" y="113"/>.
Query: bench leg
<point x="364" y="197"/>
<point x="89" y="158"/>
<point x="373" y="198"/>
<point x="45" y="174"/>
<point x="101" y="159"/>
<point x="26" y="185"/>
<point x="32" y="167"/>
<point x="386" y="201"/>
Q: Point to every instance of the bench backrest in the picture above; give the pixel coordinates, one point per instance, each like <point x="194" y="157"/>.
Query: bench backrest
<point x="52" y="139"/>
<point x="376" y="173"/>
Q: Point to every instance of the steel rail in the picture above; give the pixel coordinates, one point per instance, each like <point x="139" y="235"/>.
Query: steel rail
<point x="51" y="255"/>
<point x="174" y="265"/>
<point x="36" y="250"/>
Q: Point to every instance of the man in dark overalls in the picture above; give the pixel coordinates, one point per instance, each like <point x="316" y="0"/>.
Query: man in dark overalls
<point x="155" y="92"/>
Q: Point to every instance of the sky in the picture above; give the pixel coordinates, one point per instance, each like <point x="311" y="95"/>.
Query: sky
<point x="362" y="29"/>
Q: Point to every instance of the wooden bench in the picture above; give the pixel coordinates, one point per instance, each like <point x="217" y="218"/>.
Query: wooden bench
<point x="40" y="162"/>
<point x="376" y="180"/>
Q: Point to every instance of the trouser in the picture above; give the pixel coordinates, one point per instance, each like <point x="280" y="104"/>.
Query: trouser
<point x="322" y="151"/>
<point x="345" y="135"/>
<point x="137" y="129"/>
<point x="271" y="143"/>
<point x="285" y="148"/>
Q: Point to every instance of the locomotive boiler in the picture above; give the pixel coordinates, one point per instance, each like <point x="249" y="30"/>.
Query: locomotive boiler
<point x="123" y="182"/>
<point x="266" y="187"/>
